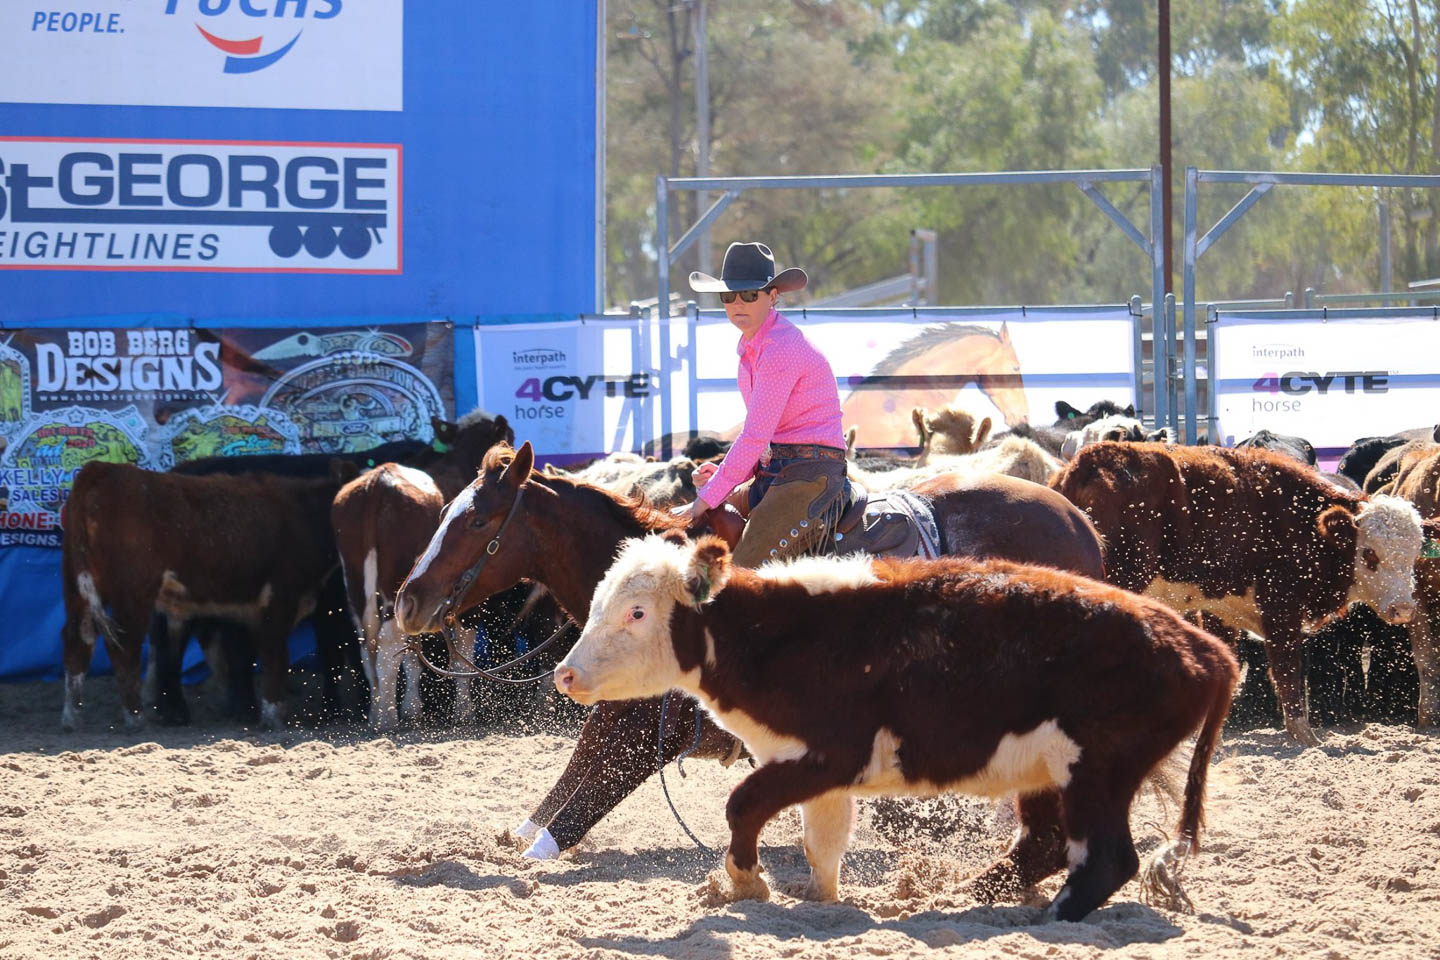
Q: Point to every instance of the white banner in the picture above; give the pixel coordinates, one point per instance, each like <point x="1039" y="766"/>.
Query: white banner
<point x="568" y="387"/>
<point x="311" y="54"/>
<point x="1329" y="381"/>
<point x="1011" y="366"/>
<point x="199" y="205"/>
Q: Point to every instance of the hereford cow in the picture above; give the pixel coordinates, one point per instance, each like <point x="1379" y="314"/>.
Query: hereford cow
<point x="252" y="550"/>
<point x="1250" y="536"/>
<point x="868" y="676"/>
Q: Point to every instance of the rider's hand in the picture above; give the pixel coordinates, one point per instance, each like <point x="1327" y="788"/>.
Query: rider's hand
<point x="704" y="472"/>
<point x="690" y="512"/>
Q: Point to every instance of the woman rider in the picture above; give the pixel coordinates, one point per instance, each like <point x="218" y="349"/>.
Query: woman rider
<point x="791" y="444"/>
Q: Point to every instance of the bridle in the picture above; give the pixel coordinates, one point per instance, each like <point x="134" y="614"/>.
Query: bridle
<point x="446" y="612"/>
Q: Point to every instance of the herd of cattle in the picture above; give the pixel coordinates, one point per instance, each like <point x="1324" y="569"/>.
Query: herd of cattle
<point x="1246" y="542"/>
<point x="236" y="550"/>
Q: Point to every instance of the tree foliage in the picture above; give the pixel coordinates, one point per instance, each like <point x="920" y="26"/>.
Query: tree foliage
<point x="865" y="86"/>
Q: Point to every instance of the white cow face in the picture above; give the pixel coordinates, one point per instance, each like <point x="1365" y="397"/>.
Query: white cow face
<point x="626" y="651"/>
<point x="1388" y="538"/>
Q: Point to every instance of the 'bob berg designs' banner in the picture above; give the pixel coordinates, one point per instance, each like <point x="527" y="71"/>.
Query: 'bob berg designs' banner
<point x="156" y="397"/>
<point x="1329" y="380"/>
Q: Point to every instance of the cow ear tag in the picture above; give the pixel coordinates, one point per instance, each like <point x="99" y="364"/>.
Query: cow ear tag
<point x="439" y="446"/>
<point x="1430" y="548"/>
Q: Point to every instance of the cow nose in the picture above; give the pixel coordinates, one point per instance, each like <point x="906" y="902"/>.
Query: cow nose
<point x="564" y="679"/>
<point x="1401" y="612"/>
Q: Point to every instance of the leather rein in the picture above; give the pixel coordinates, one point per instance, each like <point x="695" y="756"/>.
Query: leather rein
<point x="446" y="612"/>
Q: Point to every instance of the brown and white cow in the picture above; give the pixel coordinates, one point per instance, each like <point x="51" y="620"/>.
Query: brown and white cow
<point x="1252" y="537"/>
<point x="247" y="549"/>
<point x="865" y="676"/>
<point x="383" y="520"/>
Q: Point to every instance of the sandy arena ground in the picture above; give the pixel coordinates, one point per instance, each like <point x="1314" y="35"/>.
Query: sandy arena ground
<point x="216" y="841"/>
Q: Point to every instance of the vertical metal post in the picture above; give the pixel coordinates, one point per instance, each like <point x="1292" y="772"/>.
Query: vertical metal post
<point x="1158" y="272"/>
<point x="692" y="373"/>
<point x="600" y="224"/>
<point x="1162" y="55"/>
<point x="702" y="129"/>
<point x="1137" y="351"/>
<point x="1386" y="282"/>
<point x="1172" y="395"/>
<point x="1192" y="183"/>
<point x="917" y="297"/>
<point x="932" y="266"/>
<point x="1309" y="298"/>
<point x="662" y="305"/>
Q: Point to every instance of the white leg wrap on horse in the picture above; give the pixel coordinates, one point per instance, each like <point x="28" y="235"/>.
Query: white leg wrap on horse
<point x="527" y="830"/>
<point x="544" y="847"/>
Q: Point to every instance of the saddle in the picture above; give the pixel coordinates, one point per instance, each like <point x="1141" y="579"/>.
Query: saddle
<point x="890" y="523"/>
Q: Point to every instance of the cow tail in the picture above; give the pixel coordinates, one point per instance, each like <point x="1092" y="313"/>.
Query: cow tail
<point x="1192" y="814"/>
<point x="83" y="600"/>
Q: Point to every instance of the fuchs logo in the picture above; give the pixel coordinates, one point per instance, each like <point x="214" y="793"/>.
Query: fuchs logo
<point x="244" y="53"/>
<point x="537" y="357"/>
<point x="207" y="205"/>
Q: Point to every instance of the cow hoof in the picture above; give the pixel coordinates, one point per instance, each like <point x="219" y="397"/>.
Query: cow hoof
<point x="544" y="847"/>
<point x="813" y="890"/>
<point x="171" y="714"/>
<point x="527" y="830"/>
<point x="133" y="720"/>
<point x="746" y="884"/>
<point x="1301" y="733"/>
<point x="272" y="715"/>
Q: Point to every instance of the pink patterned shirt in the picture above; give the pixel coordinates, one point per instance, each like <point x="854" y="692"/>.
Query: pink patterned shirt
<point x="790" y="397"/>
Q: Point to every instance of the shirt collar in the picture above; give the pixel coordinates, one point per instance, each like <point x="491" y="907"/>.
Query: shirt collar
<point x="761" y="336"/>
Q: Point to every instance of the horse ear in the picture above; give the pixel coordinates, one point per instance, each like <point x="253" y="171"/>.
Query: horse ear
<point x="1004" y="332"/>
<point x="707" y="570"/>
<point x="853" y="432"/>
<point x="518" y="470"/>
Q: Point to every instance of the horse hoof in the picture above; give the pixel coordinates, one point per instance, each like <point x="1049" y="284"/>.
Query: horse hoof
<point x="527" y="830"/>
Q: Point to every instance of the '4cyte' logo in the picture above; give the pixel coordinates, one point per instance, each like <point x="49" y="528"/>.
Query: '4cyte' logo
<point x="1300" y="382"/>
<point x="244" y="55"/>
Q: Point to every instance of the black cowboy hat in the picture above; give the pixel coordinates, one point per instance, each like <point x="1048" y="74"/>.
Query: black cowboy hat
<point x="749" y="266"/>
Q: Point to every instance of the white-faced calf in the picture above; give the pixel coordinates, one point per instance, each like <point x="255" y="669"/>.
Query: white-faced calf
<point x="861" y="676"/>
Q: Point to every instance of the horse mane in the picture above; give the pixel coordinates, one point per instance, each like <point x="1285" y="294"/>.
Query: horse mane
<point x="636" y="510"/>
<point x="927" y="340"/>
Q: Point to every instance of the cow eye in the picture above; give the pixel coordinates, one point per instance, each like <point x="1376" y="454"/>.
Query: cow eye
<point x="636" y="614"/>
<point x="1372" y="559"/>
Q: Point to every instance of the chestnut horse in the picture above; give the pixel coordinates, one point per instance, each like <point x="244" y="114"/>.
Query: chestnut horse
<point x="929" y="370"/>
<point x="513" y="523"/>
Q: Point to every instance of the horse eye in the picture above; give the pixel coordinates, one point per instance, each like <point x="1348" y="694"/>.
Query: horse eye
<point x="479" y="520"/>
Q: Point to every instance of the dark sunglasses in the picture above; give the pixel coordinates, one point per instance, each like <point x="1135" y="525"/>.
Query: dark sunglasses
<point x="749" y="296"/>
